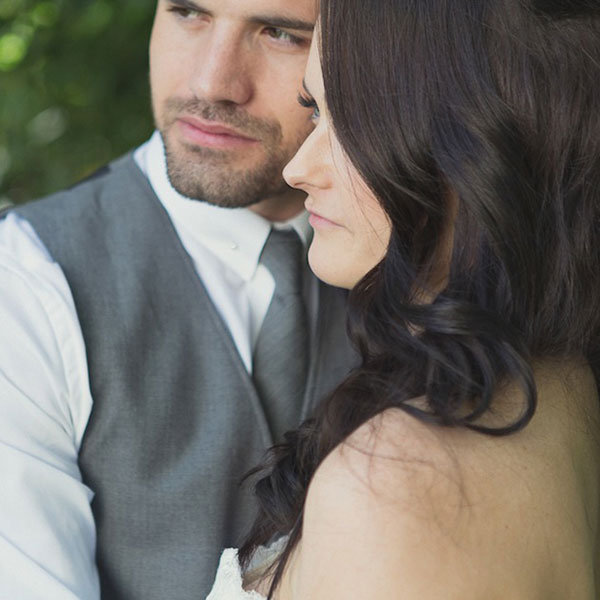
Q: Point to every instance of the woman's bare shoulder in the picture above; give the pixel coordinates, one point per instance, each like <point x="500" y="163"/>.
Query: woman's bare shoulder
<point x="489" y="512"/>
<point x="396" y="453"/>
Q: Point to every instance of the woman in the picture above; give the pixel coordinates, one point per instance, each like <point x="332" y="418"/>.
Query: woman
<point x="453" y="178"/>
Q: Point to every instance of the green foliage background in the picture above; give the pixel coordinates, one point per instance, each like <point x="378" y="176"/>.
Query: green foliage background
<point x="74" y="89"/>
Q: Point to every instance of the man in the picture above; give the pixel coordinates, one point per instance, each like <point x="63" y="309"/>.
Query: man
<point x="146" y="336"/>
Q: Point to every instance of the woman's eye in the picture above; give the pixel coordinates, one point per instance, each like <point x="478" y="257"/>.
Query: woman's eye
<point x="308" y="102"/>
<point x="283" y="36"/>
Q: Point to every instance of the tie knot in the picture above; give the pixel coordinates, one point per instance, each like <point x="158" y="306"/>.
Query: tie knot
<point x="283" y="255"/>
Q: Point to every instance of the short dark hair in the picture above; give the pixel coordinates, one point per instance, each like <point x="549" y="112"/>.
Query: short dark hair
<point x="495" y="103"/>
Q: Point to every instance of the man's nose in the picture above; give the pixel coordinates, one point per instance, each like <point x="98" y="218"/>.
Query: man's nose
<point x="224" y="71"/>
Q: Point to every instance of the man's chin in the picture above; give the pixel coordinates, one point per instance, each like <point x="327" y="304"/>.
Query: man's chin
<point x="217" y="191"/>
<point x="226" y="178"/>
<point x="221" y="186"/>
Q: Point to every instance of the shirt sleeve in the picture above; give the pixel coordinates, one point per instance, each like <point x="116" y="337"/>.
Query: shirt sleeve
<point x="47" y="532"/>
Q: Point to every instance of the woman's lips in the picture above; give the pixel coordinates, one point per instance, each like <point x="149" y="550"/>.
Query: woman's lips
<point x="211" y="135"/>
<point x="319" y="222"/>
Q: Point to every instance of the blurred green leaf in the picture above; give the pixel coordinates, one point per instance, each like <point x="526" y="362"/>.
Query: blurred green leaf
<point x="4" y="162"/>
<point x="74" y="89"/>
<point x="13" y="48"/>
<point x="10" y="8"/>
<point x="45" y="14"/>
<point x="94" y="19"/>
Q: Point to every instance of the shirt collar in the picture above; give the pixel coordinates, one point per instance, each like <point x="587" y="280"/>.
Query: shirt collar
<point x="234" y="235"/>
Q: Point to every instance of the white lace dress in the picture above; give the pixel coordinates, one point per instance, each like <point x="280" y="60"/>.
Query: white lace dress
<point x="229" y="581"/>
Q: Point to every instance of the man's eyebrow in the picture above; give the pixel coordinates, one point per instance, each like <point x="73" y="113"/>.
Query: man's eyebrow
<point x="282" y="22"/>
<point x="189" y="5"/>
<point x="276" y="21"/>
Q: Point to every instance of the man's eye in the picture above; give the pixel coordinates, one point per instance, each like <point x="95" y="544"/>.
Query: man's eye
<point x="283" y="36"/>
<point x="184" y="13"/>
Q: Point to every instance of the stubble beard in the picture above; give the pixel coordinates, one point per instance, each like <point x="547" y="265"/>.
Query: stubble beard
<point x="212" y="175"/>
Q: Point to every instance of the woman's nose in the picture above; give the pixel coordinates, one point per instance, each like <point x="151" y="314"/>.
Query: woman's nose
<point x="309" y="168"/>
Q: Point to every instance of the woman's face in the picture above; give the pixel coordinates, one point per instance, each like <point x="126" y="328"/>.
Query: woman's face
<point x="351" y="229"/>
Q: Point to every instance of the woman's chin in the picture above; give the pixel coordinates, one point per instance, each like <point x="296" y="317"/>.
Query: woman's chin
<point x="328" y="267"/>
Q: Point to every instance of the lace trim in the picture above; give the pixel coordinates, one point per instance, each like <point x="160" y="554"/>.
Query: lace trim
<point x="229" y="582"/>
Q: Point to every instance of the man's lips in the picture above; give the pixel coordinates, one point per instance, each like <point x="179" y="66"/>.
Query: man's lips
<point x="205" y="133"/>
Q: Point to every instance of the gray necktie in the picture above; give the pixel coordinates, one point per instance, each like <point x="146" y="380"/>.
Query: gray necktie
<point x="280" y="363"/>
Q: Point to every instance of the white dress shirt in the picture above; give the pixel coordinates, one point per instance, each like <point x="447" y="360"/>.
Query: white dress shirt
<point x="47" y="532"/>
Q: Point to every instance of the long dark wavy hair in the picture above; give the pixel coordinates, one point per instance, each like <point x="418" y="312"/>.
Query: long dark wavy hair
<point x="497" y="104"/>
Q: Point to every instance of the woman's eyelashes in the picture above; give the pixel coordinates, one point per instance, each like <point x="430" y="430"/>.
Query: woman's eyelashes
<point x="309" y="102"/>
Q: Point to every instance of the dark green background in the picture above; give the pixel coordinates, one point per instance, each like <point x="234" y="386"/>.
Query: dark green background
<point x="74" y="89"/>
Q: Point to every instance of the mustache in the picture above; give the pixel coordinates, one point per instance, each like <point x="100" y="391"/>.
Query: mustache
<point x="232" y="116"/>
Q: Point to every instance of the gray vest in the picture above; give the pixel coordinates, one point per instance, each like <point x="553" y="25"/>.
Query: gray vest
<point x="176" y="420"/>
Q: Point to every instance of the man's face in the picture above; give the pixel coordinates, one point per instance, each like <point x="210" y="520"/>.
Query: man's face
<point x="225" y="76"/>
